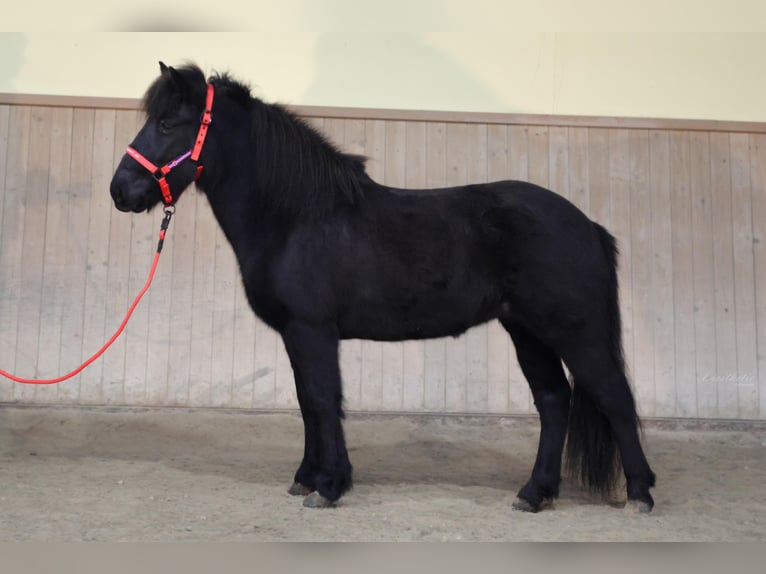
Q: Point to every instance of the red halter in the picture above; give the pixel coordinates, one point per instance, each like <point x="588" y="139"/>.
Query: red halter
<point x="160" y="173"/>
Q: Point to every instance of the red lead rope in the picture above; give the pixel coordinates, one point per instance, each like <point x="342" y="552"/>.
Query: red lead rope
<point x="163" y="229"/>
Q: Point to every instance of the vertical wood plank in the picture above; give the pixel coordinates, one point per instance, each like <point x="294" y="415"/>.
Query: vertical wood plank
<point x="118" y="271"/>
<point x="54" y="298"/>
<point x="96" y="286"/>
<point x="375" y="149"/>
<point x="579" y="182"/>
<point x="394" y="175"/>
<point x="683" y="273"/>
<point x="224" y="288"/>
<point x="142" y="247"/>
<point x="32" y="252"/>
<point x="435" y="349"/>
<point x="619" y="189"/>
<point x="266" y="344"/>
<point x="351" y="136"/>
<point x="11" y="243"/>
<point x="7" y="136"/>
<point x="76" y="253"/>
<point x="662" y="273"/>
<point x="704" y="296"/>
<point x="517" y="163"/>
<point x="642" y="271"/>
<point x="202" y="303"/>
<point x="477" y="338"/>
<point x="159" y="306"/>
<point x="499" y="356"/>
<point x="599" y="198"/>
<point x="244" y="347"/>
<point x="179" y="357"/>
<point x="744" y="278"/>
<point x="139" y="339"/>
<point x="538" y="169"/>
<point x="413" y="393"/>
<point x="723" y="277"/>
<point x="456" y="358"/>
<point x="758" y="182"/>
<point x="519" y="395"/>
<point x="558" y="161"/>
<point x="5" y="116"/>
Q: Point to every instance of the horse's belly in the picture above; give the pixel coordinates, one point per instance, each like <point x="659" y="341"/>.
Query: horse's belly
<point x="403" y="318"/>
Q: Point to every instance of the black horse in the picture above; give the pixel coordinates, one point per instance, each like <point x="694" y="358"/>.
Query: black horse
<point x="326" y="253"/>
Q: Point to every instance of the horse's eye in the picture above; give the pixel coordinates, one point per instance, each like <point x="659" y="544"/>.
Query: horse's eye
<point x="165" y="126"/>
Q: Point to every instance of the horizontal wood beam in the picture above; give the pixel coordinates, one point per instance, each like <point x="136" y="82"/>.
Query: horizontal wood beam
<point x="424" y="115"/>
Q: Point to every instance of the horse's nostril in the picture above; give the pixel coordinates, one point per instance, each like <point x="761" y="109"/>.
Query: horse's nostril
<point x="118" y="197"/>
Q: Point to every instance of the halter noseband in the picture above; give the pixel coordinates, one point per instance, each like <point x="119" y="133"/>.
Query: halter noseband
<point x="160" y="173"/>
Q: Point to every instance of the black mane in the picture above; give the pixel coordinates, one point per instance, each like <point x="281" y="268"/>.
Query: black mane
<point x="308" y="174"/>
<point x="296" y="168"/>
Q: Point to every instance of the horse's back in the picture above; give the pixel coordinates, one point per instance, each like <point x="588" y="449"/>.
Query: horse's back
<point x="428" y="263"/>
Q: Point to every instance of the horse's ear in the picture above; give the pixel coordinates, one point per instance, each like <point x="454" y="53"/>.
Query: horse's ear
<point x="176" y="77"/>
<point x="179" y="81"/>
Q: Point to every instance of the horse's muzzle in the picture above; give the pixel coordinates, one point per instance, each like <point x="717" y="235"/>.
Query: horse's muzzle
<point x="122" y="199"/>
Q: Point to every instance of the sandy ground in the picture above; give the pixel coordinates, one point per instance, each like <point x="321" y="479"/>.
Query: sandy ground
<point x="69" y="474"/>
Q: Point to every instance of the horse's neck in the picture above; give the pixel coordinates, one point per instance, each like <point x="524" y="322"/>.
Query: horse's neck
<point x="227" y="201"/>
<point x="243" y="203"/>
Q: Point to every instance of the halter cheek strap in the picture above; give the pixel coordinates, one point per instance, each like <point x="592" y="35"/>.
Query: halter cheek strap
<point x="160" y="173"/>
<point x="204" y="122"/>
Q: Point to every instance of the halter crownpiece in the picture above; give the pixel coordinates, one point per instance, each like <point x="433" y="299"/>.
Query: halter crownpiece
<point x="160" y="173"/>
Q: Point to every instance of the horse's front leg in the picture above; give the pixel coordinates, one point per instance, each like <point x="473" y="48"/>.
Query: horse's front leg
<point x="325" y="472"/>
<point x="305" y="476"/>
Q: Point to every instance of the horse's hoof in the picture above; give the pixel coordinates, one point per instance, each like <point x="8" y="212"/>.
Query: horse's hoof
<point x="316" y="500"/>
<point x="524" y="506"/>
<point x="297" y="489"/>
<point x="638" y="506"/>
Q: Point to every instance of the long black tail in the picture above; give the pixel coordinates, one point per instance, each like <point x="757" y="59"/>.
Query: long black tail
<point x="592" y="456"/>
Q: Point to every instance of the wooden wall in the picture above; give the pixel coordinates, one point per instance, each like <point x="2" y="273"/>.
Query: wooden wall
<point x="686" y="201"/>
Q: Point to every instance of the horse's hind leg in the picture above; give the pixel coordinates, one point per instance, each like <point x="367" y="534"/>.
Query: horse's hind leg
<point x="325" y="471"/>
<point x="550" y="390"/>
<point x="602" y="392"/>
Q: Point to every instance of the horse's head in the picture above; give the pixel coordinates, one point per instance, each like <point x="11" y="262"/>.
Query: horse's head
<point x="163" y="159"/>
